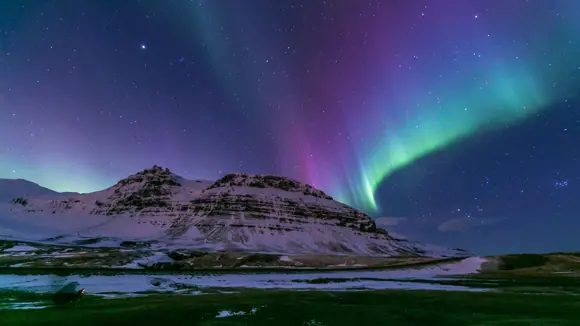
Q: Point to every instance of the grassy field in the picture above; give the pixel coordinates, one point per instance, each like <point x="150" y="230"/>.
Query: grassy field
<point x="313" y="308"/>
<point x="535" y="264"/>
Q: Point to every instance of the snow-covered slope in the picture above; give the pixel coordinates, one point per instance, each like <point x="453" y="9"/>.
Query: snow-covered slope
<point x="238" y="212"/>
<point x="14" y="188"/>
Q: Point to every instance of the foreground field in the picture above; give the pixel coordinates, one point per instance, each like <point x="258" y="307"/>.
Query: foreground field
<point x="138" y="285"/>
<point x="269" y="307"/>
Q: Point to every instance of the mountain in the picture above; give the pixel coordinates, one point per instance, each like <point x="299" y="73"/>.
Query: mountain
<point x="239" y="212"/>
<point x="13" y="188"/>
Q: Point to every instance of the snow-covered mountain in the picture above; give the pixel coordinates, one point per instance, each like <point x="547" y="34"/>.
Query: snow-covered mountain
<point x="259" y="213"/>
<point x="13" y="188"/>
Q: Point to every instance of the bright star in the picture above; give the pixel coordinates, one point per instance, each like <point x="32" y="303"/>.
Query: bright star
<point x="143" y="46"/>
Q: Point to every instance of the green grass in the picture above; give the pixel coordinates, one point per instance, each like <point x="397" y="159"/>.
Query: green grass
<point x="511" y="262"/>
<point x="538" y="263"/>
<point x="327" y="308"/>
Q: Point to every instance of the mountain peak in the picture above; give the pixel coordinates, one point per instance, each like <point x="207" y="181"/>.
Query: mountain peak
<point x="155" y="176"/>
<point x="268" y="181"/>
<point x="153" y="187"/>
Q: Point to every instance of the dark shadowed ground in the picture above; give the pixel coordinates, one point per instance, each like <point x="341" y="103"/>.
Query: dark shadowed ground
<point x="267" y="307"/>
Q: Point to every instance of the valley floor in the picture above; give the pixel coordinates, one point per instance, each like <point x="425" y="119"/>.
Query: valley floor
<point x="123" y="287"/>
<point x="279" y="307"/>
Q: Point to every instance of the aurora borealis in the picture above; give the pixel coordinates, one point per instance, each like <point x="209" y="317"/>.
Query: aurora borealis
<point x="485" y="76"/>
<point x="349" y="96"/>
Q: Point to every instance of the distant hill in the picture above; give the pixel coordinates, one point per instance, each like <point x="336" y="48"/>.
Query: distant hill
<point x="13" y="188"/>
<point x="532" y="264"/>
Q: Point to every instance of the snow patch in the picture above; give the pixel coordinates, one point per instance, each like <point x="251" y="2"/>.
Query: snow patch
<point x="157" y="257"/>
<point x="465" y="266"/>
<point x="20" y="248"/>
<point x="24" y="305"/>
<point x="68" y="255"/>
<point x="229" y="313"/>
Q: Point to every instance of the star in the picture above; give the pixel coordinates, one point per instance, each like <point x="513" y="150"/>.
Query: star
<point x="143" y="46"/>
<point x="561" y="184"/>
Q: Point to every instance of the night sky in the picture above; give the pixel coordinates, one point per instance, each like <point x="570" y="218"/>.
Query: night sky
<point x="455" y="122"/>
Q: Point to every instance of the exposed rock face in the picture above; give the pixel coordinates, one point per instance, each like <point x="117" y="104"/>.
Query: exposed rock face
<point x="150" y="190"/>
<point x="238" y="212"/>
<point x="268" y="181"/>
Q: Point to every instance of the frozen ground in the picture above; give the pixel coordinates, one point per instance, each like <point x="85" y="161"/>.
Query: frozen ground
<point x="124" y="284"/>
<point x="345" y="280"/>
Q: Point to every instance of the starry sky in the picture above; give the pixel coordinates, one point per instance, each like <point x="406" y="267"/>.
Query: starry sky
<point x="450" y="121"/>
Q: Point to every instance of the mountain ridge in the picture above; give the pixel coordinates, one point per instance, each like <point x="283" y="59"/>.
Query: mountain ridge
<point x="237" y="212"/>
<point x="8" y="187"/>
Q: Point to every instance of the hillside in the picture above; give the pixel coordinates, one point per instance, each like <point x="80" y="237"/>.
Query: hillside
<point x="13" y="188"/>
<point x="239" y="212"/>
<point x="564" y="263"/>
